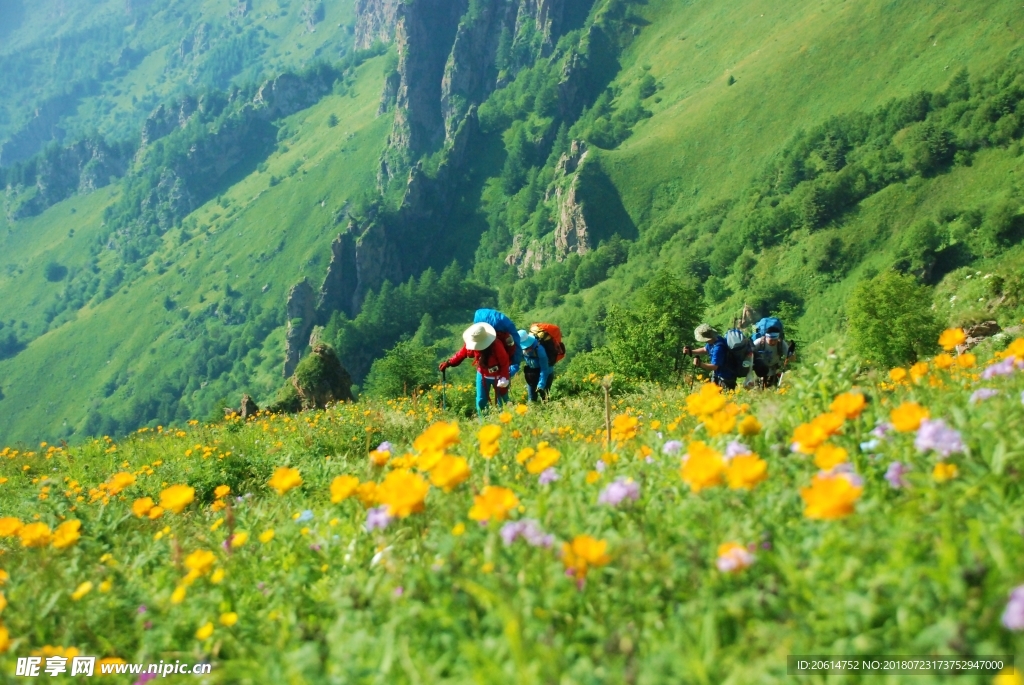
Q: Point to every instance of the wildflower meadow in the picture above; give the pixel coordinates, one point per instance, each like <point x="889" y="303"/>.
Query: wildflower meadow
<point x="672" y="535"/>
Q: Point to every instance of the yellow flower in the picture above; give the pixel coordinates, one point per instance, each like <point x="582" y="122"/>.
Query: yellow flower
<point x="543" y="459"/>
<point x="830" y="497"/>
<point x="217" y="576"/>
<point x="35" y="535"/>
<point x="3" y="602"/>
<point x="593" y="477"/>
<point x="379" y="457"/>
<point x="367" y="493"/>
<point x="437" y="438"/>
<point x="142" y="506"/>
<point x="155" y="513"/>
<point x="205" y="631"/>
<point x="4" y="577"/>
<point x="521" y="409"/>
<point x="81" y="591"/>
<point x="966" y="360"/>
<point x="808" y="436"/>
<point x="702" y="468"/>
<point x="487" y="568"/>
<point x="493" y="502"/>
<point x="239" y="539"/>
<point x="178" y="596"/>
<point x="1008" y="676"/>
<point x="918" y="371"/>
<point x="849" y="404"/>
<point x="403" y="492"/>
<point x="106" y="586"/>
<point x="745" y="471"/>
<point x="284" y="479"/>
<point x="707" y="400"/>
<point x="908" y="416"/>
<point x="67" y="534"/>
<point x="118" y="482"/>
<point x="5" y="639"/>
<point x="459" y="529"/>
<point x="720" y="423"/>
<point x="943" y="361"/>
<point x="267" y="535"/>
<point x="624" y="427"/>
<point x="944" y="471"/>
<point x="897" y="375"/>
<point x="200" y="561"/>
<point x="228" y="619"/>
<point x="177" y="497"/>
<point x="9" y="526"/>
<point x="505" y="417"/>
<point x="342" y="488"/>
<point x="222" y="491"/>
<point x="488" y="438"/>
<point x="951" y="337"/>
<point x="583" y="553"/>
<point x="750" y="426"/>
<point x="449" y="472"/>
<point x="525" y="454"/>
<point x="828" y="456"/>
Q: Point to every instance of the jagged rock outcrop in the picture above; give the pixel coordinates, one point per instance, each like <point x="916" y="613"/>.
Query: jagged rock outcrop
<point x="249" y="407"/>
<point x="375" y="22"/>
<point x="290" y="93"/>
<point x="313" y="13"/>
<point x="165" y="119"/>
<point x="525" y="256"/>
<point x="301" y="312"/>
<point x="82" y="167"/>
<point x="321" y="379"/>
<point x="337" y="294"/>
<point x="571" y="233"/>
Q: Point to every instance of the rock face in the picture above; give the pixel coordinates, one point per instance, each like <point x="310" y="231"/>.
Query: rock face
<point x="375" y="22"/>
<point x="337" y="294"/>
<point x="571" y="233"/>
<point x="301" y="311"/>
<point x="249" y="407"/>
<point x="321" y="379"/>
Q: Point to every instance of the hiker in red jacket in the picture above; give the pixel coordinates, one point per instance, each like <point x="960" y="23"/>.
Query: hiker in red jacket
<point x="491" y="361"/>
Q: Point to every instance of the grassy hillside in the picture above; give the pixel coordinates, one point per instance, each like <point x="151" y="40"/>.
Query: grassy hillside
<point x="706" y="127"/>
<point x="651" y="558"/>
<point x="225" y="283"/>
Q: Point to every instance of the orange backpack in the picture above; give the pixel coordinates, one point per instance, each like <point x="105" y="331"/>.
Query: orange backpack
<point x="550" y="336"/>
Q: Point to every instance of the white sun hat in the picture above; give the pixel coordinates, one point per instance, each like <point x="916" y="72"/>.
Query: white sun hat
<point x="479" y="336"/>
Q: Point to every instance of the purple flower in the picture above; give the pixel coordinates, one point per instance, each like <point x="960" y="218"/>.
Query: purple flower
<point x="398" y="591"/>
<point x="982" y="394"/>
<point x="548" y="475"/>
<point x="315" y="547"/>
<point x="384" y="447"/>
<point x="895" y="475"/>
<point x="1003" y="368"/>
<point x="936" y="435"/>
<point x="227" y="543"/>
<point x="649" y="459"/>
<point x="672" y="447"/>
<point x="621" y="489"/>
<point x="1013" y="616"/>
<point x="735" y="449"/>
<point x="148" y="625"/>
<point x="600" y="466"/>
<point x="142" y="609"/>
<point x="882" y="430"/>
<point x="377" y="518"/>
<point x="529" y="530"/>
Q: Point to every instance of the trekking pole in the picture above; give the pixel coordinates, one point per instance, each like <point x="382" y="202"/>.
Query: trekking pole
<point x="779" y="384"/>
<point x="444" y="382"/>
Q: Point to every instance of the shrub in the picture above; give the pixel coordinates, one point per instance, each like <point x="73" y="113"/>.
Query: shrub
<point x="55" y="272"/>
<point x="404" y="369"/>
<point x="891" y="321"/>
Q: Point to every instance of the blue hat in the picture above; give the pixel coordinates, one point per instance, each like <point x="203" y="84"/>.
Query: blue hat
<point x="773" y="335"/>
<point x="526" y="341"/>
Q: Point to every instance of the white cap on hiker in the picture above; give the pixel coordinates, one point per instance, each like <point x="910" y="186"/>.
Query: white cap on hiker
<point x="705" y="333"/>
<point x="479" y="336"/>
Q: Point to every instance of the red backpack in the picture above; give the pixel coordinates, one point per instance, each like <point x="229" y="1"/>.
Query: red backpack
<point x="550" y="336"/>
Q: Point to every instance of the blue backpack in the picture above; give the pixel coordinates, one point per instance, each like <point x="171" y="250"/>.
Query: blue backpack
<point x="767" y="325"/>
<point x="740" y="347"/>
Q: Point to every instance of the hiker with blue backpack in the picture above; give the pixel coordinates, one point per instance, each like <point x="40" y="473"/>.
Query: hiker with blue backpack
<point x="729" y="356"/>
<point x="507" y="334"/>
<point x="771" y="351"/>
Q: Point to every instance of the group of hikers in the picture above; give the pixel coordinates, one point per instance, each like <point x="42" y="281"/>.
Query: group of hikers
<point x="499" y="350"/>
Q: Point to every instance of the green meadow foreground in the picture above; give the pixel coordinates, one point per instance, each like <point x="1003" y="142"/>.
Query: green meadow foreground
<point x="715" y="534"/>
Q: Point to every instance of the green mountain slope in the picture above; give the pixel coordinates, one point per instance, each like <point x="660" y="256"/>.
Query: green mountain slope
<point x="774" y="156"/>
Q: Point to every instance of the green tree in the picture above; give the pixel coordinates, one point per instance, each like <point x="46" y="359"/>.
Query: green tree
<point x="404" y="369"/>
<point x="647" y="338"/>
<point x="891" y="321"/>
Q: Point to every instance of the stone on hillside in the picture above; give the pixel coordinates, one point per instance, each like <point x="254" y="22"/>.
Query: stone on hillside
<point x="249" y="407"/>
<point x="320" y="379"/>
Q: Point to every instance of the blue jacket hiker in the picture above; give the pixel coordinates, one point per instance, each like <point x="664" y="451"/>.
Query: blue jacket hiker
<point x="538" y="372"/>
<point x="725" y="368"/>
<point x="507" y="333"/>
